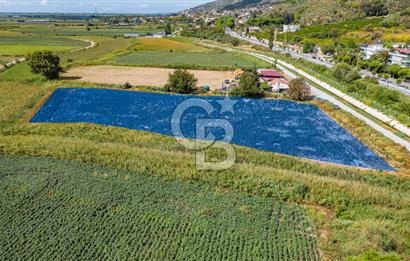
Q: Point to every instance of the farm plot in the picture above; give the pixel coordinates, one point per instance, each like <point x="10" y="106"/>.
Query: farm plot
<point x="105" y="46"/>
<point x="277" y="126"/>
<point x="22" y="45"/>
<point x="189" y="60"/>
<point x="82" y="30"/>
<point x="143" y="76"/>
<point x="72" y="210"/>
<point x="164" y="44"/>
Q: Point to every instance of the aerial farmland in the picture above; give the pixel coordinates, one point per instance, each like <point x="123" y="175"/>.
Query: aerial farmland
<point x="97" y="120"/>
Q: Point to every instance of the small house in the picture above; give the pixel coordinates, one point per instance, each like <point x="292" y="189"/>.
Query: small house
<point x="267" y="75"/>
<point x="279" y="85"/>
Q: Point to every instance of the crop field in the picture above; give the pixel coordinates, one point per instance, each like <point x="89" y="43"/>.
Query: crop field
<point x="256" y="123"/>
<point x="21" y="45"/>
<point x="82" y="30"/>
<point x="105" y="46"/>
<point x="127" y="215"/>
<point x="194" y="60"/>
<point x="164" y="44"/>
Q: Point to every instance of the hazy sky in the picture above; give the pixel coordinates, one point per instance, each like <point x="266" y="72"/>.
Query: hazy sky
<point x="103" y="6"/>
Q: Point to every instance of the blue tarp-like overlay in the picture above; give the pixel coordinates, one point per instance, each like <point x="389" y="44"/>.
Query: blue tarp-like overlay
<point x="277" y="126"/>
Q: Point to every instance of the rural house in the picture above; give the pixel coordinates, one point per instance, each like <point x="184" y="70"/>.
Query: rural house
<point x="267" y="75"/>
<point x="279" y="85"/>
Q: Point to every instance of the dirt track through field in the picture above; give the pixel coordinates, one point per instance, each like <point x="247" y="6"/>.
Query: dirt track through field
<point x="141" y="76"/>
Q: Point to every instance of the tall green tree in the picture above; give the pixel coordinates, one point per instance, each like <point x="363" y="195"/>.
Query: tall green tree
<point x="181" y="81"/>
<point x="45" y="63"/>
<point x="168" y="28"/>
<point x="271" y="38"/>
<point x="249" y="85"/>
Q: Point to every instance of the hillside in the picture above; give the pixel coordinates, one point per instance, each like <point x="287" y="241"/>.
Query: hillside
<point x="312" y="11"/>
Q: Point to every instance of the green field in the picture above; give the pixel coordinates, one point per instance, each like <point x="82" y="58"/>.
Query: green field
<point x="22" y="45"/>
<point x="210" y="60"/>
<point x="82" y="30"/>
<point x="129" y="215"/>
<point x="105" y="46"/>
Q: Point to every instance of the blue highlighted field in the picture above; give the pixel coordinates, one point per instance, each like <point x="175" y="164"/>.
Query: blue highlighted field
<point x="278" y="126"/>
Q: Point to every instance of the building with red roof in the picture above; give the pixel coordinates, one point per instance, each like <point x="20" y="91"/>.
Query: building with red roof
<point x="268" y="75"/>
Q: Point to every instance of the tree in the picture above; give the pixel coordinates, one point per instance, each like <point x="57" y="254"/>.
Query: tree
<point x="271" y="36"/>
<point x="308" y="47"/>
<point x="45" y="63"/>
<point x="249" y="85"/>
<point x="394" y="70"/>
<point x="168" y="28"/>
<point x="298" y="90"/>
<point x="374" y="8"/>
<point x="181" y="81"/>
<point x="404" y="73"/>
<point x="341" y="70"/>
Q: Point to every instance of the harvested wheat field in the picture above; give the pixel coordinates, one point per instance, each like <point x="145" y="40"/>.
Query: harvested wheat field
<point x="141" y="76"/>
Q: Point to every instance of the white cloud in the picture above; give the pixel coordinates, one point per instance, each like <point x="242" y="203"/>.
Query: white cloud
<point x="44" y="2"/>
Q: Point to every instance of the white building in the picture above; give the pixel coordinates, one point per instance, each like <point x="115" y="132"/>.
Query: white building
<point x="372" y="49"/>
<point x="291" y="28"/>
<point x="254" y="29"/>
<point x="400" y="57"/>
<point x="279" y="85"/>
<point x="131" y="35"/>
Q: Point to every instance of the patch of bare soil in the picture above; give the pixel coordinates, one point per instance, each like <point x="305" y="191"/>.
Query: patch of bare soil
<point x="141" y="76"/>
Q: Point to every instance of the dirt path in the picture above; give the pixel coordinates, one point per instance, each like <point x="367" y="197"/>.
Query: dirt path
<point x="142" y="76"/>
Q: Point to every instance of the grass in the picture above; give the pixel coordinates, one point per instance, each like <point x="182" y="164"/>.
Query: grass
<point x="22" y="45"/>
<point x="192" y="60"/>
<point x="105" y="46"/>
<point x="82" y="30"/>
<point x="21" y="73"/>
<point x="164" y="44"/>
<point x="163" y="217"/>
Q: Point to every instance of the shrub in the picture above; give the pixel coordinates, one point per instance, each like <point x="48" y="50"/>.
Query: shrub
<point x="181" y="81"/>
<point x="45" y="63"/>
<point x="352" y="76"/>
<point x="126" y="85"/>
<point x="308" y="47"/>
<point x="298" y="90"/>
<point x="341" y="70"/>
